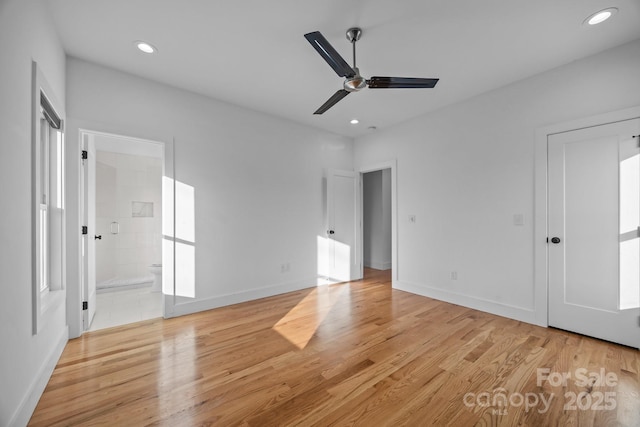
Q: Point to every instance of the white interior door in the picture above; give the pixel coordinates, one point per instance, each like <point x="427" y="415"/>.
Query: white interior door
<point x="343" y="226"/>
<point x="594" y="215"/>
<point x="88" y="240"/>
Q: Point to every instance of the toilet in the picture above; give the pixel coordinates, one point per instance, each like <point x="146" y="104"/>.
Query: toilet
<point x="156" y="270"/>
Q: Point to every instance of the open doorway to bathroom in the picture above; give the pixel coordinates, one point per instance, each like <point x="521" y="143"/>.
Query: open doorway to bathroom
<point x="123" y="246"/>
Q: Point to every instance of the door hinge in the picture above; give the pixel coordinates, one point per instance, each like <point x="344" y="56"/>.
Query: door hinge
<point x="85" y="155"/>
<point x="85" y="229"/>
<point x="85" y="305"/>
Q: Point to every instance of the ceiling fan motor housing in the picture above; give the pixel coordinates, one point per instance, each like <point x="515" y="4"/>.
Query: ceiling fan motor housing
<point x="355" y="83"/>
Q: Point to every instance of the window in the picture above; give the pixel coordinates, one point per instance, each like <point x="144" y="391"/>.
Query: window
<point x="48" y="201"/>
<point x="50" y="196"/>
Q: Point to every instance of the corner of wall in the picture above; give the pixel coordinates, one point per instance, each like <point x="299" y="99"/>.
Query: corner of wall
<point x="27" y="406"/>
<point x="499" y="309"/>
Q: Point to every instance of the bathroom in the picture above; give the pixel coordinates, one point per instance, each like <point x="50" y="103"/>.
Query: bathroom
<point x="128" y="237"/>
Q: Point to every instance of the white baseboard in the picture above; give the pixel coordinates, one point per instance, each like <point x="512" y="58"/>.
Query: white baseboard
<point x="378" y="265"/>
<point x="500" y="309"/>
<point x="24" y="411"/>
<point x="184" y="306"/>
<point x="522" y="314"/>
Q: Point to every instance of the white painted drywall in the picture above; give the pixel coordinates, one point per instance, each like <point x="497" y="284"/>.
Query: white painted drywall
<point x="377" y="219"/>
<point x="26" y="360"/>
<point x="465" y="170"/>
<point x="257" y="179"/>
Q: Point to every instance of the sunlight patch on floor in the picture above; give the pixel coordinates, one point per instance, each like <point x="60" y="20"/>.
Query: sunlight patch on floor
<point x="300" y="324"/>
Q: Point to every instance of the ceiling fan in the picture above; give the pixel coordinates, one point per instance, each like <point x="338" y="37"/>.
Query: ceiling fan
<point x="353" y="80"/>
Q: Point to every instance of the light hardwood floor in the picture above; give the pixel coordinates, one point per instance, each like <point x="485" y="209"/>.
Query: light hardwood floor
<point x="347" y="354"/>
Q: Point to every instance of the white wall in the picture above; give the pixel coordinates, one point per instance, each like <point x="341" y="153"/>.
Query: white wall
<point x="377" y="219"/>
<point x="465" y="170"/>
<point x="257" y="179"/>
<point x="26" y="360"/>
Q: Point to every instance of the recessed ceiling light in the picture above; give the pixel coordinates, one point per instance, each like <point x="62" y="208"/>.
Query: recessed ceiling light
<point x="600" y="16"/>
<point x="145" y="47"/>
<point x="354" y="121"/>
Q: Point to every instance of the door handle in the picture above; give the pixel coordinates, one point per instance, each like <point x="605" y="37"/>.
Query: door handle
<point x="331" y="232"/>
<point x="555" y="240"/>
<point x="98" y="237"/>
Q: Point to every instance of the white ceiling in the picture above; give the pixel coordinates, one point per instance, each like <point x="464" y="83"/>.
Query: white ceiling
<point x="252" y="53"/>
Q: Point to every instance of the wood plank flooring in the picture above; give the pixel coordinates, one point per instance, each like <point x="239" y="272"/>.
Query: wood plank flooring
<point x="359" y="353"/>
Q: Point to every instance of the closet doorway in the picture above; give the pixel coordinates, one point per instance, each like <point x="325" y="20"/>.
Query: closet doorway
<point x="379" y="220"/>
<point x="376" y="225"/>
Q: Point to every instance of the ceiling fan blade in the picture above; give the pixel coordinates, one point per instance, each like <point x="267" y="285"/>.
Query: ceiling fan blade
<point x="329" y="54"/>
<point x="335" y="98"/>
<point x="400" y="83"/>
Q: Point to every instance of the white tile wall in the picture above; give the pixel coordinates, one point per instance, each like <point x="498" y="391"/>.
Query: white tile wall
<point x="120" y="180"/>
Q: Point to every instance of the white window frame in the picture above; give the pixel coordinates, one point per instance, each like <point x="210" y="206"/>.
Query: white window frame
<point x="48" y="213"/>
<point x="43" y="211"/>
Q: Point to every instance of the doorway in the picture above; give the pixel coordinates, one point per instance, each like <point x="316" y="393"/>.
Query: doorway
<point x="379" y="230"/>
<point x="122" y="250"/>
<point x="341" y="253"/>
<point x="376" y="220"/>
<point x="594" y="231"/>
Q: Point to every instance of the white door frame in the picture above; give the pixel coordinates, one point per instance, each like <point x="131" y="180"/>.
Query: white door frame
<point x="390" y="164"/>
<point x="167" y="163"/>
<point x="88" y="245"/>
<point x="540" y="233"/>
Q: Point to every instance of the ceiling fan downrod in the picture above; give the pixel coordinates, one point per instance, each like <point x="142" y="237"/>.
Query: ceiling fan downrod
<point x="353" y="35"/>
<point x="356" y="82"/>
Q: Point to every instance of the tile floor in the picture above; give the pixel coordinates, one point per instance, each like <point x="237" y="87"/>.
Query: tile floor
<point x="116" y="307"/>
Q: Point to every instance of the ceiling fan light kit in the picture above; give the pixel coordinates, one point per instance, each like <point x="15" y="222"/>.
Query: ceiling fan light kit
<point x="353" y="80"/>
